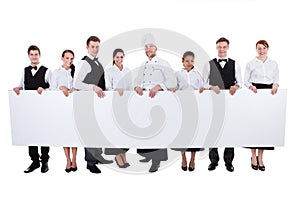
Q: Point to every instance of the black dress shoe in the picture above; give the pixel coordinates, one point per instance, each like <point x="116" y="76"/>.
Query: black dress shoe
<point x="154" y="167"/>
<point x="68" y="170"/>
<point x="145" y="160"/>
<point x="94" y="169"/>
<point x="191" y="169"/>
<point x="255" y="167"/>
<point x="127" y="164"/>
<point x="212" y="166"/>
<point x="44" y="168"/>
<point x="262" y="168"/>
<point x="102" y="160"/>
<point x="229" y="167"/>
<point x="73" y="169"/>
<point x="184" y="168"/>
<point x="32" y="167"/>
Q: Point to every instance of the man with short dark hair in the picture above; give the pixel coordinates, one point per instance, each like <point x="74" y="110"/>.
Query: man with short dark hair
<point x="35" y="77"/>
<point x="222" y="73"/>
<point x="91" y="78"/>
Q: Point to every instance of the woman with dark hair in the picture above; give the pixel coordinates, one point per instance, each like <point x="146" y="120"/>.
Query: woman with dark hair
<point x="189" y="78"/>
<point x="118" y="78"/>
<point x="261" y="73"/>
<point x="62" y="79"/>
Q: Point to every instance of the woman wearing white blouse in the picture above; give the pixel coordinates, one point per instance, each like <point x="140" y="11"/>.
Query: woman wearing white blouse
<point x="118" y="78"/>
<point x="189" y="78"/>
<point x="261" y="73"/>
<point x="62" y="79"/>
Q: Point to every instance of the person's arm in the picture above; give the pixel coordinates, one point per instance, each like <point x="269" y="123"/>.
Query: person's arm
<point x="20" y="86"/>
<point x="138" y="81"/>
<point x="201" y="83"/>
<point x="238" y="78"/>
<point x="247" y="76"/>
<point x="85" y="68"/>
<point x="205" y="76"/>
<point x="275" y="79"/>
<point x="170" y="82"/>
<point x="108" y="80"/>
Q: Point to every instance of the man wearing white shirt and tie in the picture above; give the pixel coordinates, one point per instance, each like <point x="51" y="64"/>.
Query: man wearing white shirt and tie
<point x="91" y="78"/>
<point x="154" y="75"/>
<point x="35" y="77"/>
<point x="219" y="74"/>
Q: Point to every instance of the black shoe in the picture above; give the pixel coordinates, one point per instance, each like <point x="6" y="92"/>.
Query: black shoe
<point x="261" y="168"/>
<point x="102" y="160"/>
<point x="68" y="170"/>
<point x="145" y="160"/>
<point x="191" y="168"/>
<point x="255" y="167"/>
<point x="229" y="167"/>
<point x="32" y="167"/>
<point x="154" y="167"/>
<point x="212" y="166"/>
<point x="44" y="168"/>
<point x="73" y="169"/>
<point x="94" y="169"/>
<point x="184" y="168"/>
<point x="127" y="164"/>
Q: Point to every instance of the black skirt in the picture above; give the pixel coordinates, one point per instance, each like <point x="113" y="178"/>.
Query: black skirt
<point x="188" y="149"/>
<point x="262" y="86"/>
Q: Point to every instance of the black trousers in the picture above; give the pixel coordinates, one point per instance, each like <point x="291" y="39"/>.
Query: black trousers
<point x="228" y="155"/>
<point x="92" y="155"/>
<point x="154" y="154"/>
<point x="34" y="154"/>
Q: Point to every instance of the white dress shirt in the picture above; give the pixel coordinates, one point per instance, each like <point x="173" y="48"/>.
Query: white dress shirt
<point x="238" y="74"/>
<point x="115" y="78"/>
<point x="33" y="71"/>
<point x="61" y="77"/>
<point x="155" y="72"/>
<point x="261" y="72"/>
<point x="189" y="80"/>
<point x="82" y="69"/>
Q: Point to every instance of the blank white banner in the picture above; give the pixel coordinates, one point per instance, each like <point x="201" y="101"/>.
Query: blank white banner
<point x="173" y="120"/>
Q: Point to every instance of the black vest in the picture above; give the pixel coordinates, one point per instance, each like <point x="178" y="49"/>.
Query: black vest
<point x="96" y="76"/>
<point x="36" y="81"/>
<point x="222" y="77"/>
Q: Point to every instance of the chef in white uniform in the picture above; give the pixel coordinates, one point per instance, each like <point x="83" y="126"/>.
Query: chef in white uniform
<point x="154" y="75"/>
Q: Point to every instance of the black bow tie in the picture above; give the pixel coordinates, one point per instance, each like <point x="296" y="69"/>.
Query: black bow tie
<point x="35" y="68"/>
<point x="95" y="59"/>
<point x="220" y="60"/>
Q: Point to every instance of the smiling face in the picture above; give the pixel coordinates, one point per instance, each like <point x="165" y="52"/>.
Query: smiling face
<point x="262" y="50"/>
<point x="222" y="48"/>
<point x="150" y="50"/>
<point x="188" y="62"/>
<point x="67" y="60"/>
<point x="119" y="58"/>
<point x="34" y="57"/>
<point x="93" y="48"/>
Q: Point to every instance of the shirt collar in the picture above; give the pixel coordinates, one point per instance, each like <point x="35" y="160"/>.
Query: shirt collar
<point x="267" y="60"/>
<point x="90" y="56"/>
<point x="38" y="66"/>
<point x="222" y="58"/>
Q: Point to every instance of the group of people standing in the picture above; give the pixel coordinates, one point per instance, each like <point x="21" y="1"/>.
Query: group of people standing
<point x="155" y="74"/>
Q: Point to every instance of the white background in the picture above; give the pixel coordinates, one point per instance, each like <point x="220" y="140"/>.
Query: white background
<point x="66" y="24"/>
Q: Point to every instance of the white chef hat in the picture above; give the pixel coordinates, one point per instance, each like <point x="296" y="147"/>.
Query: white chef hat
<point x="148" y="39"/>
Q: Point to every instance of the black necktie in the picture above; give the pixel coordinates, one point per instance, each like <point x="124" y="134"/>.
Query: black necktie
<point x="220" y="60"/>
<point x="35" y="68"/>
